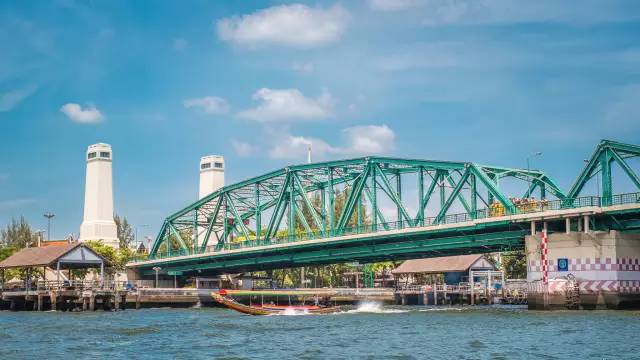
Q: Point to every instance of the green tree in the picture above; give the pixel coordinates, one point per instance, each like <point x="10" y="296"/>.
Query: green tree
<point x="125" y="232"/>
<point x="514" y="264"/>
<point x="6" y="251"/>
<point x="18" y="234"/>
<point x="117" y="258"/>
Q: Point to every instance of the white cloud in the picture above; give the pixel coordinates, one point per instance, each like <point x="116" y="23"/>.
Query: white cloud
<point x="369" y="139"/>
<point x="623" y="111"/>
<point x="394" y="5"/>
<point x="211" y="105"/>
<point x="472" y="12"/>
<point x="292" y="147"/>
<point x="242" y="148"/>
<point x="288" y="104"/>
<point x="303" y="67"/>
<point x="457" y="54"/>
<point x="357" y="140"/>
<point x="179" y="44"/>
<point x="88" y="115"/>
<point x="11" y="99"/>
<point x="15" y="203"/>
<point x="293" y="25"/>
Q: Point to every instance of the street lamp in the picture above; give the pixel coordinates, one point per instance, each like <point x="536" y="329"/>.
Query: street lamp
<point x="538" y="153"/>
<point x="157" y="270"/>
<point x="49" y="216"/>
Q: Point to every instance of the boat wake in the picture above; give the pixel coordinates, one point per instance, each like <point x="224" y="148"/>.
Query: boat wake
<point x="292" y="312"/>
<point x="374" y="307"/>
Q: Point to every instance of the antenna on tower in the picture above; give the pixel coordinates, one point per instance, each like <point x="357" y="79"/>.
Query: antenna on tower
<point x="309" y="154"/>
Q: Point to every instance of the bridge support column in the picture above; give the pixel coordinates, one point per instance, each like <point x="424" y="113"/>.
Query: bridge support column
<point x="586" y="224"/>
<point x="533" y="228"/>
<point x="600" y="266"/>
<point x="567" y="225"/>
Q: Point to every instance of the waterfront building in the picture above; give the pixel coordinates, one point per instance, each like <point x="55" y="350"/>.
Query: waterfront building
<point x="98" y="223"/>
<point x="453" y="269"/>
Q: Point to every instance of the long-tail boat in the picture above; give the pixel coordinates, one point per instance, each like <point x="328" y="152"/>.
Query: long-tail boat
<point x="270" y="309"/>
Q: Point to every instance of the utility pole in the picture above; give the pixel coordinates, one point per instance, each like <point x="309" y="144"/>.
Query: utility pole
<point x="49" y="216"/>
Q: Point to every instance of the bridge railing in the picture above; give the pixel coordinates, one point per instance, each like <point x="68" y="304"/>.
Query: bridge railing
<point x="530" y="206"/>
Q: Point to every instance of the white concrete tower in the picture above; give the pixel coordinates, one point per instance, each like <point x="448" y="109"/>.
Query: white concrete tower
<point x="98" y="221"/>
<point x="211" y="174"/>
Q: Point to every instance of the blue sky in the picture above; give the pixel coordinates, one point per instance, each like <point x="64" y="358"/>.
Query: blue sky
<point x="165" y="82"/>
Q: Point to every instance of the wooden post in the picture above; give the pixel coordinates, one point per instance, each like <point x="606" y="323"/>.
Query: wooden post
<point x="471" y="295"/>
<point x="138" y="300"/>
<point x="444" y="301"/>
<point x="85" y="303"/>
<point x="435" y="294"/>
<point x="92" y="302"/>
<point x="39" y="302"/>
<point x="425" y="298"/>
<point x="54" y="300"/>
<point x="116" y="300"/>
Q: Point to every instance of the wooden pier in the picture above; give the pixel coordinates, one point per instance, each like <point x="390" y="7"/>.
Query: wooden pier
<point x="461" y="294"/>
<point x="67" y="296"/>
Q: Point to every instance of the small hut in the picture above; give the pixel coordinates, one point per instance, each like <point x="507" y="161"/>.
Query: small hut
<point x="454" y="269"/>
<point x="62" y="257"/>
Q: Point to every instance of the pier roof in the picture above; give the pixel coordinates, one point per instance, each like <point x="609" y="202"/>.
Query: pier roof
<point x="73" y="255"/>
<point x="439" y="264"/>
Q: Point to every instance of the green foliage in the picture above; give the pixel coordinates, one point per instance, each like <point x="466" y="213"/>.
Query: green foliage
<point x="6" y="251"/>
<point x="117" y="258"/>
<point x="514" y="264"/>
<point x="125" y="232"/>
<point x="18" y="234"/>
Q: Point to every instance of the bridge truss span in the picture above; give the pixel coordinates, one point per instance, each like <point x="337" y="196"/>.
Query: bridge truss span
<point x="362" y="195"/>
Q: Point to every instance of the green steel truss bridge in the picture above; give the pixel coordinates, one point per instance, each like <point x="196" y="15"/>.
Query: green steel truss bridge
<point x="378" y="208"/>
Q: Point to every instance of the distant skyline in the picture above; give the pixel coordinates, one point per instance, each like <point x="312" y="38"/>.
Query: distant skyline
<point x="168" y="82"/>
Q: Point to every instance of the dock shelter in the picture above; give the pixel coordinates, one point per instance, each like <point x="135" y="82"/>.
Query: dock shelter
<point x="63" y="257"/>
<point x="455" y="269"/>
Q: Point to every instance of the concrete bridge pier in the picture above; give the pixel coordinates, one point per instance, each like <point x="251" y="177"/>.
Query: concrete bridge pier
<point x="595" y="269"/>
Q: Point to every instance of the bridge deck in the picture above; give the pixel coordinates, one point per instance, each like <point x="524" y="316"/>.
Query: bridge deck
<point x="489" y="234"/>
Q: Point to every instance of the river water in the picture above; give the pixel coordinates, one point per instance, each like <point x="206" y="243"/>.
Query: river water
<point x="368" y="332"/>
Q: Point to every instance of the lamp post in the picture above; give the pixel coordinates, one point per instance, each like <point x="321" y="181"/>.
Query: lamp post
<point x="538" y="153"/>
<point x="157" y="270"/>
<point x="49" y="216"/>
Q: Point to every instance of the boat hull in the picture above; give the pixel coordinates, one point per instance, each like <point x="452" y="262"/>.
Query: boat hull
<point x="273" y="310"/>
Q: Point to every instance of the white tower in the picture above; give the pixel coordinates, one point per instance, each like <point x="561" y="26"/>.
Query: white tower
<point x="211" y="174"/>
<point x="98" y="221"/>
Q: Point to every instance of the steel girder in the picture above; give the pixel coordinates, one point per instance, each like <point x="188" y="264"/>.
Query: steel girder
<point x="300" y="201"/>
<point x="607" y="153"/>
